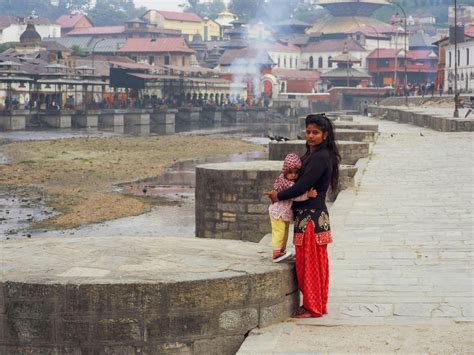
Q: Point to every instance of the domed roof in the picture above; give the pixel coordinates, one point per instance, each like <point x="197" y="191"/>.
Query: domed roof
<point x="30" y="36"/>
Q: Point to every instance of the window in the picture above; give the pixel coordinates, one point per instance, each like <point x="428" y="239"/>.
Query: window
<point x="167" y="60"/>
<point x="151" y="60"/>
<point x="467" y="56"/>
<point x="449" y="59"/>
<point x="311" y="62"/>
<point x="183" y="61"/>
<point x="284" y="62"/>
<point x="383" y="63"/>
<point x="279" y="62"/>
<point x="459" y="57"/>
<point x="296" y="63"/>
<point x="291" y="62"/>
<point x="320" y="62"/>
<point x="329" y="62"/>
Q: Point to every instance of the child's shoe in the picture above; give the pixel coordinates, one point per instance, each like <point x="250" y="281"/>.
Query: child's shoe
<point x="279" y="256"/>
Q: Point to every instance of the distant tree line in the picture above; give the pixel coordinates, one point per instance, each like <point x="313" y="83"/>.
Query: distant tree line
<point x="104" y="13"/>
<point x="113" y="12"/>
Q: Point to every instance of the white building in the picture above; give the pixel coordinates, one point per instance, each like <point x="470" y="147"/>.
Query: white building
<point x="11" y="28"/>
<point x="465" y="81"/>
<point x="318" y="55"/>
<point x="283" y="56"/>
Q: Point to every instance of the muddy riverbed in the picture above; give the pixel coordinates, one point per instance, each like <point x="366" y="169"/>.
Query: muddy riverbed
<point x="167" y="207"/>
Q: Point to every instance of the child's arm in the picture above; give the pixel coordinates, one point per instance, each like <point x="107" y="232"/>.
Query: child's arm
<point x="312" y="193"/>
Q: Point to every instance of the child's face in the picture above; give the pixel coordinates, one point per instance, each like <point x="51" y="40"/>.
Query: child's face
<point x="292" y="175"/>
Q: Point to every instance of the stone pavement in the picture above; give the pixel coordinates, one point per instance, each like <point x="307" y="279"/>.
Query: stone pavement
<point x="403" y="252"/>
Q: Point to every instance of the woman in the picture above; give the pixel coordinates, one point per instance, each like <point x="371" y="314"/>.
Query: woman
<point x="312" y="229"/>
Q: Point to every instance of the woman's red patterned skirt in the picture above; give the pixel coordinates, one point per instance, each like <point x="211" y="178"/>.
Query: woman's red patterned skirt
<point x="312" y="234"/>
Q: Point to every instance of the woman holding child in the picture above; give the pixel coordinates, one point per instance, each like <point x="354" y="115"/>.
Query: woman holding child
<point x="312" y="231"/>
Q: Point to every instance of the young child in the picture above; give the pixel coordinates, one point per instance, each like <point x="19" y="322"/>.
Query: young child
<point x="280" y="212"/>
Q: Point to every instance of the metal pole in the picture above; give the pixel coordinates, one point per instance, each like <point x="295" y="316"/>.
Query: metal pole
<point x="456" y="100"/>
<point x="405" y="45"/>
<point x="93" y="49"/>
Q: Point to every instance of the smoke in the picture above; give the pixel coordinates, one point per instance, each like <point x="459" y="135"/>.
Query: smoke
<point x="246" y="70"/>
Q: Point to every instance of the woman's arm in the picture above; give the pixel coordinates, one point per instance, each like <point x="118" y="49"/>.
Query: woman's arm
<point x="312" y="172"/>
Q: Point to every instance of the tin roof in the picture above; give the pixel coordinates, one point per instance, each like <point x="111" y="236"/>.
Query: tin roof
<point x="333" y="45"/>
<point x="70" y="20"/>
<point x="180" y="16"/>
<point x="158" y="45"/>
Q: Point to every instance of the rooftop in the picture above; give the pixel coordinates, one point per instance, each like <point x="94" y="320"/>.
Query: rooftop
<point x="70" y="20"/>
<point x="180" y="16"/>
<point x="342" y="73"/>
<point x="349" y="24"/>
<point x="158" y="45"/>
<point x="333" y="45"/>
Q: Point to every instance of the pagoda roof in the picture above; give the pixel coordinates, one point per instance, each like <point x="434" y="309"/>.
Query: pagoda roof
<point x="342" y="73"/>
<point x="292" y="22"/>
<point x="349" y="24"/>
<point x="352" y="7"/>
<point x="345" y="57"/>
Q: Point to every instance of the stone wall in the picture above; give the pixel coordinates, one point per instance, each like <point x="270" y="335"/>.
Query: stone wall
<point x="423" y="119"/>
<point x="61" y="302"/>
<point x="355" y="135"/>
<point x="229" y="199"/>
<point x="350" y="152"/>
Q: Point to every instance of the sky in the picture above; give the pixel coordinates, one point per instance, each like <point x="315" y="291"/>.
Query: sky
<point x="167" y="5"/>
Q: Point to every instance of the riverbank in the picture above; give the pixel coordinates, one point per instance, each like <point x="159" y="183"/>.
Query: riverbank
<point x="76" y="176"/>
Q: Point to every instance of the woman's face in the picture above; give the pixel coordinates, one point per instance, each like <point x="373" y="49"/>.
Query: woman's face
<point x="314" y="135"/>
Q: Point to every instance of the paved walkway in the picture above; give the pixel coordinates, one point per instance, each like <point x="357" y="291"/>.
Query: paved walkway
<point x="402" y="256"/>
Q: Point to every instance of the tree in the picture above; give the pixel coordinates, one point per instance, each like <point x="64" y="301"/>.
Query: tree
<point x="114" y="12"/>
<point x="70" y="6"/>
<point x="78" y="51"/>
<point x="205" y="9"/>
<point x="246" y="10"/>
<point x="4" y="47"/>
<point x="26" y="7"/>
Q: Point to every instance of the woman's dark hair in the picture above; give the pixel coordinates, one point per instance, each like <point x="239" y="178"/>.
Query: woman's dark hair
<point x="325" y="124"/>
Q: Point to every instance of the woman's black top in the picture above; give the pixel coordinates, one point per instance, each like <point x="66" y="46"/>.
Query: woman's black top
<point x="316" y="172"/>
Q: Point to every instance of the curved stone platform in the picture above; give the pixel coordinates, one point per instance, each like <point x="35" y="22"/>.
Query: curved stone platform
<point x="229" y="198"/>
<point x="127" y="295"/>
<point x="355" y="135"/>
<point x="350" y="151"/>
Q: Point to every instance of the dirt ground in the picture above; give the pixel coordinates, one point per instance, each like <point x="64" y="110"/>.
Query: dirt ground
<point x="76" y="176"/>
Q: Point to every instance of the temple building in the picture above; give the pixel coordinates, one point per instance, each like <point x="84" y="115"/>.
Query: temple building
<point x="225" y="19"/>
<point x="344" y="74"/>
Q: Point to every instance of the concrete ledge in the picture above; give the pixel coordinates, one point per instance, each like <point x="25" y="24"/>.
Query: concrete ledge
<point x="111" y="118"/>
<point x="354" y="135"/>
<point x="125" y="295"/>
<point x="356" y="126"/>
<point x="56" y="119"/>
<point x="350" y="152"/>
<point x="188" y="115"/>
<point x="167" y="117"/>
<point x="420" y="118"/>
<point x="85" y="119"/>
<point x="14" y="120"/>
<point x="136" y="117"/>
<point x="229" y="198"/>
